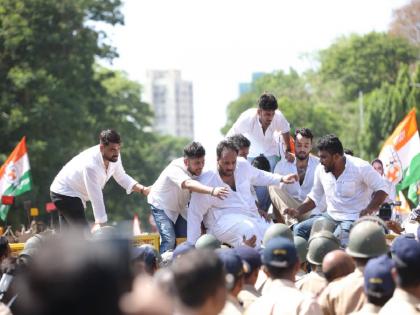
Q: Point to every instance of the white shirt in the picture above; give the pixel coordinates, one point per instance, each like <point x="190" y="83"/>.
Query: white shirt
<point x="210" y="209"/>
<point x="295" y="190"/>
<point x="85" y="176"/>
<point x="267" y="143"/>
<point x="349" y="194"/>
<point x="167" y="194"/>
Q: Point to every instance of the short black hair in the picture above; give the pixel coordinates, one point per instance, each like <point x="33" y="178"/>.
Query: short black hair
<point x="262" y="163"/>
<point x="279" y="273"/>
<point x="377" y="161"/>
<point x="4" y="247"/>
<point x="108" y="136"/>
<point x="407" y="277"/>
<point x="240" y="141"/>
<point x="304" y="132"/>
<point x="194" y="150"/>
<point x="197" y="276"/>
<point x="331" y="144"/>
<point x="378" y="301"/>
<point x="267" y="101"/>
<point x="349" y="152"/>
<point x="225" y="144"/>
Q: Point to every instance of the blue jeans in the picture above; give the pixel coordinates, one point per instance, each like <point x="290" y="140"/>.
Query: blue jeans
<point x="342" y="228"/>
<point x="167" y="229"/>
<point x="263" y="196"/>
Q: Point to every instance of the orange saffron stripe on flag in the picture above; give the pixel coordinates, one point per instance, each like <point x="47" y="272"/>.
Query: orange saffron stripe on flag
<point x="404" y="131"/>
<point x="18" y="152"/>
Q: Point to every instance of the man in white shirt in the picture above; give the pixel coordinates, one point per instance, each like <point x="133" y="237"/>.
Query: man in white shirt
<point x="346" y="183"/>
<point x="234" y="220"/>
<point x="83" y="178"/>
<point x="170" y="194"/>
<point x="264" y="127"/>
<point x="291" y="196"/>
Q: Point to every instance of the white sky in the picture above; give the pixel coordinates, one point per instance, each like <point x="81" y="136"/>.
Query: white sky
<point x="219" y="43"/>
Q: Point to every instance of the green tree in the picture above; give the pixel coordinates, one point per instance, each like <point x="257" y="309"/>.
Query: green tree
<point x="364" y="62"/>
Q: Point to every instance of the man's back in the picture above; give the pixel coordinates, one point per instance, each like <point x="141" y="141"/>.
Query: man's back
<point x="401" y="303"/>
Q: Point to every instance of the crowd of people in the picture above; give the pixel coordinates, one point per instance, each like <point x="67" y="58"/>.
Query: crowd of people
<point x="270" y="229"/>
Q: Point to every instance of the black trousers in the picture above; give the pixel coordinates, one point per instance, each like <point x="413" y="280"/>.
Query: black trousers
<point x="70" y="210"/>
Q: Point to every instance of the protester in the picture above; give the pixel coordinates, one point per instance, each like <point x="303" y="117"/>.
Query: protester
<point x="83" y="178"/>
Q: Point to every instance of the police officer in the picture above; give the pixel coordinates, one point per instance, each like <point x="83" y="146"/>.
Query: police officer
<point x="320" y="244"/>
<point x="366" y="241"/>
<point x="406" y="298"/>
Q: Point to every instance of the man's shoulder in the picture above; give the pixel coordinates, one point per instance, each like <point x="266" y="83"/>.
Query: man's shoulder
<point x="207" y="176"/>
<point x="356" y="161"/>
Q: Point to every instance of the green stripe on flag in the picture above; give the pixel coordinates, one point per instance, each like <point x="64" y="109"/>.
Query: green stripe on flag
<point x="24" y="185"/>
<point x="411" y="174"/>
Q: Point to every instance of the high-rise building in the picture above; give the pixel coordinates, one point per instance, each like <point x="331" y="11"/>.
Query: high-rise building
<point x="171" y="99"/>
<point x="245" y="87"/>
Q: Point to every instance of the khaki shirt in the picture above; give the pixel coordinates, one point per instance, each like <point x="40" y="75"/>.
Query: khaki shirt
<point x="232" y="307"/>
<point x="368" y="309"/>
<point x="344" y="295"/>
<point x="283" y="298"/>
<point x="401" y="303"/>
<point x="248" y="295"/>
<point x="313" y="283"/>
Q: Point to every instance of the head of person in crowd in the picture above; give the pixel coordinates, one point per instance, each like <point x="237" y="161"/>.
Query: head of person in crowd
<point x="302" y="250"/>
<point x="242" y="143"/>
<point x="73" y="275"/>
<point x="267" y="106"/>
<point x="322" y="224"/>
<point x="105" y="232"/>
<point x="146" y="298"/>
<point x="303" y="143"/>
<point x="275" y="230"/>
<point x="261" y="162"/>
<point x="253" y="260"/>
<point x="235" y="269"/>
<point x="337" y="264"/>
<point x="280" y="259"/>
<point x="207" y="241"/>
<point x="199" y="280"/>
<point x="330" y="152"/>
<point x="349" y="152"/>
<point x="379" y="285"/>
<point x="5" y="250"/>
<point x="227" y="153"/>
<point x="378" y="166"/>
<point x="110" y="145"/>
<point x="320" y="244"/>
<point x="182" y="249"/>
<point x="406" y="257"/>
<point x="194" y="155"/>
<point x="366" y="241"/>
<point x="145" y="259"/>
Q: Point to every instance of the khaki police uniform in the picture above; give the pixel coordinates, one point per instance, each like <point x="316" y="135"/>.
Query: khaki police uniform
<point x="248" y="295"/>
<point x="401" y="303"/>
<point x="368" y="309"/>
<point x="232" y="307"/>
<point x="313" y="283"/>
<point x="282" y="297"/>
<point x="344" y="295"/>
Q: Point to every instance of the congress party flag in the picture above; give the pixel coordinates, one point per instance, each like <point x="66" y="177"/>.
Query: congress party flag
<point x="15" y="175"/>
<point x="401" y="153"/>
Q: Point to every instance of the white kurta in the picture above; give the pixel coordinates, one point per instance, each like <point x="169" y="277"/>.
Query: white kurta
<point x="295" y="190"/>
<point x="267" y="143"/>
<point x="85" y="176"/>
<point x="350" y="193"/>
<point x="235" y="216"/>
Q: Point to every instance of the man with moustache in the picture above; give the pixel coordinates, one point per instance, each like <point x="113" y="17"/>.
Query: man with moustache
<point x="347" y="183"/>
<point x="83" y="178"/>
<point x="170" y="194"/>
<point x="291" y="196"/>
<point x="234" y="220"/>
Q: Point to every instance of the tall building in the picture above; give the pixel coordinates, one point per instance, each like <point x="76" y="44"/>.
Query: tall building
<point x="171" y="99"/>
<point x="245" y="87"/>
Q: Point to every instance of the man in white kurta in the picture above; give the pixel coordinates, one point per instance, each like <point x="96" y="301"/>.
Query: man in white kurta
<point x="234" y="219"/>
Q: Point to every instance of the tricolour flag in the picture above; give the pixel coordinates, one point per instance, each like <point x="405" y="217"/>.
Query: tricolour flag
<point x="401" y="153"/>
<point x="15" y="175"/>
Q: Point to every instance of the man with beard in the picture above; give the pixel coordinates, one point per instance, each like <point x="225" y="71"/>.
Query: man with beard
<point x="291" y="196"/>
<point x="234" y="220"/>
<point x="83" y="178"/>
<point x="170" y="194"/>
<point x="347" y="183"/>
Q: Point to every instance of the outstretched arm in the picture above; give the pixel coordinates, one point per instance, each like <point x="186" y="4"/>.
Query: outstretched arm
<point x="195" y="186"/>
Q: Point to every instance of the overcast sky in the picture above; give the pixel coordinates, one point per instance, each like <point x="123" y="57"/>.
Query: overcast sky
<point x="219" y="43"/>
